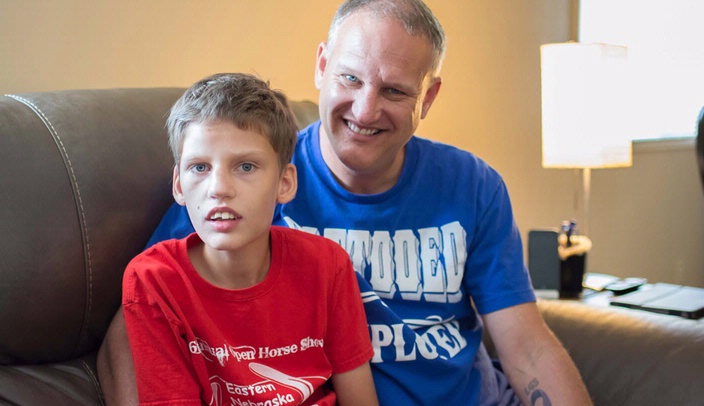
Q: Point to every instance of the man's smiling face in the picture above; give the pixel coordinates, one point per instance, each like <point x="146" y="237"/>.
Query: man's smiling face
<point x="375" y="87"/>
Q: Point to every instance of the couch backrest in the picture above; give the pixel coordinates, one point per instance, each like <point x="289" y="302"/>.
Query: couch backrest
<point x="84" y="180"/>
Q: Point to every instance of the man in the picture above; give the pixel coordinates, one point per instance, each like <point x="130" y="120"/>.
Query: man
<point x="429" y="228"/>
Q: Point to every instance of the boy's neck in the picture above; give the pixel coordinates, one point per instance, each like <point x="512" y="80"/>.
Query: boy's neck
<point x="229" y="270"/>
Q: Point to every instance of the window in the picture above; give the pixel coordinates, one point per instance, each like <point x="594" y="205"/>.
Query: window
<point x="665" y="40"/>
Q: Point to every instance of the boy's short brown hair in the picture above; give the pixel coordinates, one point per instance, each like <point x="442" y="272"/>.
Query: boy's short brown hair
<point x="245" y="100"/>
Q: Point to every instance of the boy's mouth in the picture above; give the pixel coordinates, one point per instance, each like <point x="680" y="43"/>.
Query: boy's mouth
<point x="222" y="213"/>
<point x="223" y="216"/>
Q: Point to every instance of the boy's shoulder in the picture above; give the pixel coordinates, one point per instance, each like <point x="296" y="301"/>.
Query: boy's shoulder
<point x="300" y="236"/>
<point x="310" y="257"/>
<point x="161" y="256"/>
<point x="301" y="241"/>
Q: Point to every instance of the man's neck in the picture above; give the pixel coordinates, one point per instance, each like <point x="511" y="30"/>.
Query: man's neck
<point x="362" y="184"/>
<point x="373" y="181"/>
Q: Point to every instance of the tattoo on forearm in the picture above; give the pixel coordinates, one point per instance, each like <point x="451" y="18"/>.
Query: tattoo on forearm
<point x="537" y="396"/>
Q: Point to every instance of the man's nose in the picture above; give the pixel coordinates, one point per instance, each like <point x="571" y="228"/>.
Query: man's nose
<point x="367" y="106"/>
<point x="221" y="184"/>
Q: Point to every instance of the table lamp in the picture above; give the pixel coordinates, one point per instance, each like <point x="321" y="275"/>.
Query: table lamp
<point x="584" y="104"/>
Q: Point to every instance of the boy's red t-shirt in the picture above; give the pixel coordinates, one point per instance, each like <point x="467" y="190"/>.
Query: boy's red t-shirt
<point x="278" y="341"/>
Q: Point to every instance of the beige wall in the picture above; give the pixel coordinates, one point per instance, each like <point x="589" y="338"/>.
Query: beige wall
<point x="647" y="220"/>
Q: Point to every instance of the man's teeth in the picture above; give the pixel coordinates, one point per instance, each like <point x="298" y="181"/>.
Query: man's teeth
<point x="223" y="216"/>
<point x="361" y="131"/>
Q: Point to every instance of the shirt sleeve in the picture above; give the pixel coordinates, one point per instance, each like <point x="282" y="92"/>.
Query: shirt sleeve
<point x="160" y="354"/>
<point x="347" y="344"/>
<point x="497" y="252"/>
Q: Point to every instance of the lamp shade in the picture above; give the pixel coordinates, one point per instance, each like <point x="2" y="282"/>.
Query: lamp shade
<point x="584" y="104"/>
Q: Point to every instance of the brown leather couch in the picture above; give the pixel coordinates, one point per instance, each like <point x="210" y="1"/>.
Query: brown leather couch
<point x="85" y="179"/>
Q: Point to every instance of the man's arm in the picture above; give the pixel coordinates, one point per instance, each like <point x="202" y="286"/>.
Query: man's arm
<point x="536" y="364"/>
<point x="115" y="367"/>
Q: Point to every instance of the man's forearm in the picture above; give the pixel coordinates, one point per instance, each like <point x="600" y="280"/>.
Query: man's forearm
<point x="536" y="364"/>
<point x="549" y="379"/>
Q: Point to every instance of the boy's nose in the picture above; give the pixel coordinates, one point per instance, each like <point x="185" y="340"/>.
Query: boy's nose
<point x="221" y="185"/>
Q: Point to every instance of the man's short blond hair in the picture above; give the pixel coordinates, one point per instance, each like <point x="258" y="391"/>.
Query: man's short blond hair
<point x="415" y="16"/>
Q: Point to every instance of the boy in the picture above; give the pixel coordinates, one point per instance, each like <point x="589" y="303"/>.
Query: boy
<point x="241" y="312"/>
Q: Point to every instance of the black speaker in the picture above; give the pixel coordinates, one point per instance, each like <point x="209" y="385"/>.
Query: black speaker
<point x="544" y="260"/>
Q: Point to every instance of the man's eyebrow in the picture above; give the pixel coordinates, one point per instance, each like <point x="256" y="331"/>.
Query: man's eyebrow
<point x="341" y="67"/>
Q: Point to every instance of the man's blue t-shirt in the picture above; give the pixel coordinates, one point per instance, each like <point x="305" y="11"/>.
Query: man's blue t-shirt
<point x="428" y="251"/>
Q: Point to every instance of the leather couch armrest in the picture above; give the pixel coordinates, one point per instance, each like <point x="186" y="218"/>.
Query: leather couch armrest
<point x="631" y="357"/>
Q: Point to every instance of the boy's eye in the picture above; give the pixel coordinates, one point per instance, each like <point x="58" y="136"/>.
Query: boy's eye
<point x="247" y="167"/>
<point x="199" y="168"/>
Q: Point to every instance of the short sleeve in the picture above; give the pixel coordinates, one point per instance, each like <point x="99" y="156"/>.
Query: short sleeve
<point x="159" y="353"/>
<point x="348" y="345"/>
<point x="499" y="278"/>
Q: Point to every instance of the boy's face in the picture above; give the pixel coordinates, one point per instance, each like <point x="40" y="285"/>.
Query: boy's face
<point x="230" y="181"/>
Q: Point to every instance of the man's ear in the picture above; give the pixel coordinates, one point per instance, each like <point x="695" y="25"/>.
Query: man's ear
<point x="176" y="188"/>
<point x="321" y="61"/>
<point x="430" y="95"/>
<point x="288" y="184"/>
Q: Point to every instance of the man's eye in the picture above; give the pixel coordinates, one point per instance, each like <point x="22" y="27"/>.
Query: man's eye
<point x="247" y="167"/>
<point x="394" y="91"/>
<point x="351" y="78"/>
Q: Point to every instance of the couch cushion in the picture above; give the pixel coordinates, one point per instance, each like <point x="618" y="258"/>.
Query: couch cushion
<point x="85" y="178"/>
<point x="68" y="383"/>
<point x="631" y="357"/>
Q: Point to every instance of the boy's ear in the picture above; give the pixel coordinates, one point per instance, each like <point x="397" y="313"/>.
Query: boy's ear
<point x="288" y="184"/>
<point x="176" y="188"/>
<point x="321" y="62"/>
